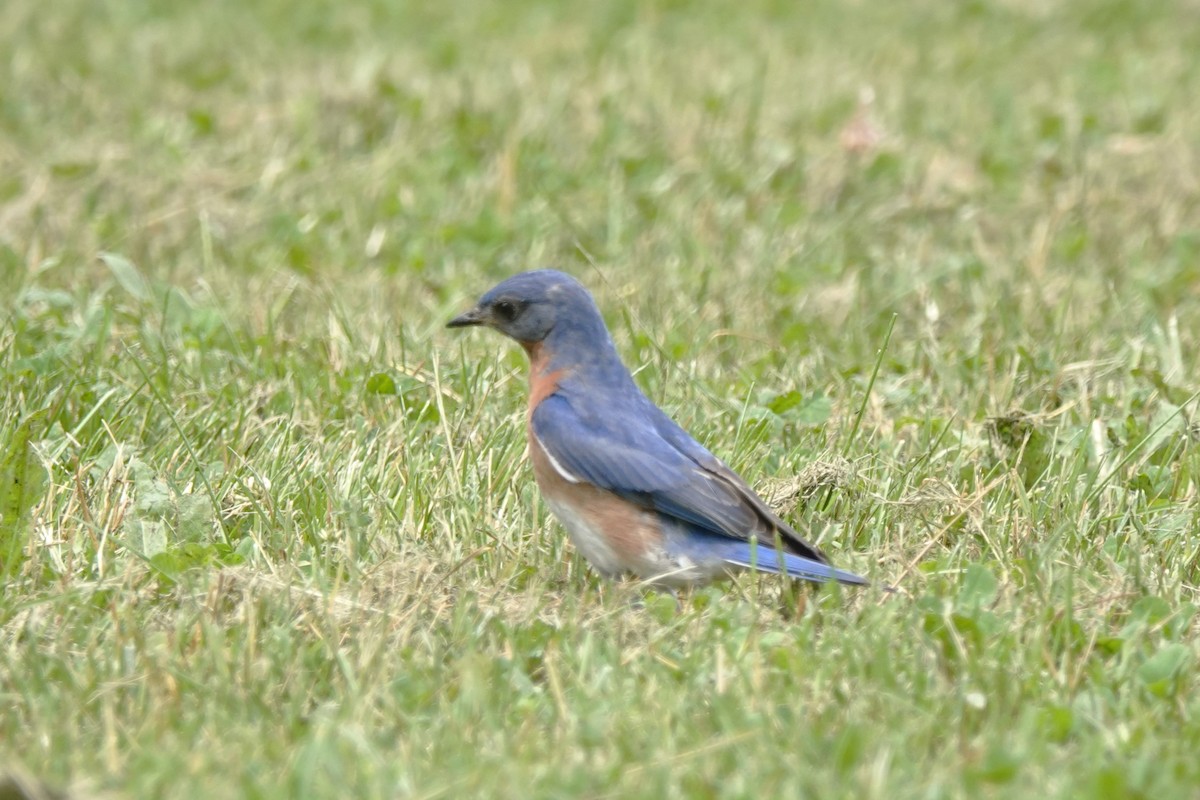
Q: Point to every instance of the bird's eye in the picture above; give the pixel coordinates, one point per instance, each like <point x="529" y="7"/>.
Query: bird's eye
<point x="506" y="310"/>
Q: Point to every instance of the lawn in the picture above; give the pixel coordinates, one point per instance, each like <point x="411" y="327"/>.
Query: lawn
<point x="926" y="273"/>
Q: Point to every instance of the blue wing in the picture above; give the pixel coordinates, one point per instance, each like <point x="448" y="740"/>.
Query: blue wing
<point x="638" y="453"/>
<point x="629" y="457"/>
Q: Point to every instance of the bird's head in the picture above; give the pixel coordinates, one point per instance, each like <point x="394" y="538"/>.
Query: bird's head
<point x="530" y="306"/>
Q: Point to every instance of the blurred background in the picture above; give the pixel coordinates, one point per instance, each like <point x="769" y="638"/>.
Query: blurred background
<point x="927" y="273"/>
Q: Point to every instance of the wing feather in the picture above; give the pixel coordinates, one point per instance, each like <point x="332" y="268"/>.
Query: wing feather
<point x="648" y="459"/>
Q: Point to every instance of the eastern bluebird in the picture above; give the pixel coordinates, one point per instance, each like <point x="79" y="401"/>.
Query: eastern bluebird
<point x="635" y="492"/>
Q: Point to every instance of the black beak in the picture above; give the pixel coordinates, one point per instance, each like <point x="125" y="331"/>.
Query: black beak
<point x="476" y="316"/>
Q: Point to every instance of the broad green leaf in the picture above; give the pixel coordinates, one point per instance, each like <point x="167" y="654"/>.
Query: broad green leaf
<point x="381" y="383"/>
<point x="127" y="275"/>
<point x="1159" y="671"/>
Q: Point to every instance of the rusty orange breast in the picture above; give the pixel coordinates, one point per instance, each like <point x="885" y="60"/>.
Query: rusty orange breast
<point x="543" y="381"/>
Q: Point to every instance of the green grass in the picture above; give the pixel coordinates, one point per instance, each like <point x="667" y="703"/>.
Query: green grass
<point x="268" y="530"/>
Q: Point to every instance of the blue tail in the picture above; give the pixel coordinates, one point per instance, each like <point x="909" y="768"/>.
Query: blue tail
<point x="766" y="559"/>
<point x="705" y="547"/>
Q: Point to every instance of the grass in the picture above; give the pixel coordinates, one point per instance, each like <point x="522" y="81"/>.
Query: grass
<point x="267" y="529"/>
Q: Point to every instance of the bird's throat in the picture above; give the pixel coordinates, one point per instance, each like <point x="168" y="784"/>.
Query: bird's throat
<point x="543" y="379"/>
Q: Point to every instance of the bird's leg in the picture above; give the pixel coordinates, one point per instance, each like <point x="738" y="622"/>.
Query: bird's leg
<point x="643" y="594"/>
<point x="793" y="600"/>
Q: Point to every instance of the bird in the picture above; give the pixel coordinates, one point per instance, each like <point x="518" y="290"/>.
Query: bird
<point x="636" y="493"/>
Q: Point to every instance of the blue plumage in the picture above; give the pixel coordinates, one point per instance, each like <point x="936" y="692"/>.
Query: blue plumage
<point x="602" y="443"/>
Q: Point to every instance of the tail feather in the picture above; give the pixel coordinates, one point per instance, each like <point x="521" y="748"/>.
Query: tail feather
<point x="712" y="550"/>
<point x="767" y="559"/>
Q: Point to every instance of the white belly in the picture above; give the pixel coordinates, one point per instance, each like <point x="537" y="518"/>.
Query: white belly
<point x="587" y="539"/>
